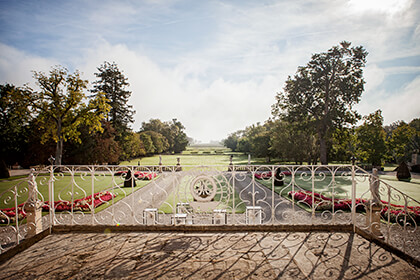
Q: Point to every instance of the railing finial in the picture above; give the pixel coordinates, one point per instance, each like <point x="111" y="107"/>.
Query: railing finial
<point x="51" y="160"/>
<point x="353" y="160"/>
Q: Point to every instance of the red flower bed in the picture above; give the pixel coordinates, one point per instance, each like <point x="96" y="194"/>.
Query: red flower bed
<point x="322" y="203"/>
<point x="397" y="214"/>
<point x="268" y="174"/>
<point x="144" y="175"/>
<point x="83" y="204"/>
<point x="9" y="214"/>
<point x="140" y="175"/>
<point x="263" y="175"/>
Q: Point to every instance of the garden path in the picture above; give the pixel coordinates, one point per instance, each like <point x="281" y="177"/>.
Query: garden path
<point x="284" y="210"/>
<point x="150" y="196"/>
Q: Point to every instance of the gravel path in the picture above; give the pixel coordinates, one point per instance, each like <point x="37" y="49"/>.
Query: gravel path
<point x="253" y="193"/>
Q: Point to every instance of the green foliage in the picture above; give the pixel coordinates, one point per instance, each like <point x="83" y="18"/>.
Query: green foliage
<point x="94" y="148"/>
<point x="243" y="145"/>
<point x="323" y="92"/>
<point x="148" y="143"/>
<point x="159" y="141"/>
<point x="173" y="132"/>
<point x="112" y="82"/>
<point x="255" y="139"/>
<point x="133" y="146"/>
<point x="343" y="144"/>
<point x="401" y="142"/>
<point x="15" y="117"/>
<point x="371" y="139"/>
<point x="293" y="142"/>
<point x="231" y="141"/>
<point x="62" y="107"/>
<point x="415" y="123"/>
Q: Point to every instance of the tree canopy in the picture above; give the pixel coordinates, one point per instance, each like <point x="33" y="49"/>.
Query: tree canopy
<point x="112" y="82"/>
<point x="401" y="143"/>
<point x="15" y="117"/>
<point x="371" y="139"/>
<point x="173" y="132"/>
<point x="322" y="93"/>
<point x="62" y="107"/>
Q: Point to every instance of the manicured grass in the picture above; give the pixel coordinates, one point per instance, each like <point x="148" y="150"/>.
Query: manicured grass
<point x="68" y="188"/>
<point x="200" y="150"/>
<point x="186" y="159"/>
<point x="342" y="187"/>
<point x="390" y="166"/>
<point x="411" y="188"/>
<point x="198" y="159"/>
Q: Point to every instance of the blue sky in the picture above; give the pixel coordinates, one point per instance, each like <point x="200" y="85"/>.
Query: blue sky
<point x="215" y="65"/>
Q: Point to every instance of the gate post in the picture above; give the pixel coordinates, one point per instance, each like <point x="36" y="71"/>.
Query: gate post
<point x="374" y="206"/>
<point x="373" y="219"/>
<point x="33" y="207"/>
<point x="51" y="193"/>
<point x="353" y="193"/>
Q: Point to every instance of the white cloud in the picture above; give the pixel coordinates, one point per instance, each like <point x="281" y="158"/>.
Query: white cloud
<point x="16" y="66"/>
<point x="374" y="76"/>
<point x="402" y="106"/>
<point x="222" y="73"/>
<point x="389" y="7"/>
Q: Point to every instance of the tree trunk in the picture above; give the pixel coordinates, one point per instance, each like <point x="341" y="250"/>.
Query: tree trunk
<point x="59" y="145"/>
<point x="322" y="136"/>
<point x="58" y="152"/>
<point x="323" y="150"/>
<point x="4" y="171"/>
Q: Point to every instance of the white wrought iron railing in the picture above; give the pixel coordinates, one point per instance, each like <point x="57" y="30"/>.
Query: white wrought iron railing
<point x="231" y="194"/>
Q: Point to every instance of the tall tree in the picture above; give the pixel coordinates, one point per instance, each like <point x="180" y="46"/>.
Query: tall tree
<point x="323" y="92"/>
<point x="173" y="132"/>
<point x="231" y="141"/>
<point x="159" y="141"/>
<point x="148" y="143"/>
<point x="133" y="146"/>
<point x="15" y="118"/>
<point x="113" y="83"/>
<point x="343" y="144"/>
<point x="180" y="137"/>
<point x="62" y="107"/>
<point x="371" y="139"/>
<point x="401" y="143"/>
<point x="293" y="142"/>
<point x="415" y="123"/>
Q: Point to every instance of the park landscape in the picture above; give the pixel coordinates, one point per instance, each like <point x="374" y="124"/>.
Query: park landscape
<point x="161" y="156"/>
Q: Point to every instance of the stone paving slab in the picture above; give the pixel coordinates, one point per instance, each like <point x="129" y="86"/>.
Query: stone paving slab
<point x="257" y="255"/>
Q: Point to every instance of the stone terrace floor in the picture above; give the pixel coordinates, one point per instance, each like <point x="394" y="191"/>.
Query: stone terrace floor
<point x="256" y="255"/>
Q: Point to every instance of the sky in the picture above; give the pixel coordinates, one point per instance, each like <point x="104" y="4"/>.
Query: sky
<point x="215" y="65"/>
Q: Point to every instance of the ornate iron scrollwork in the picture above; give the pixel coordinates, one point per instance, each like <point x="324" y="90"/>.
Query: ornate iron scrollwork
<point x="203" y="189"/>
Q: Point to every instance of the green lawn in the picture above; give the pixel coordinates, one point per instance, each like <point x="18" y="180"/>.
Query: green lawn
<point x="342" y="187"/>
<point x="186" y="159"/>
<point x="65" y="188"/>
<point x="200" y="156"/>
